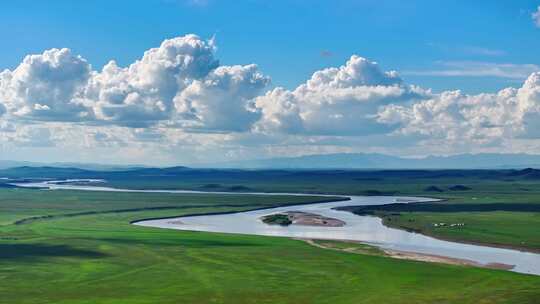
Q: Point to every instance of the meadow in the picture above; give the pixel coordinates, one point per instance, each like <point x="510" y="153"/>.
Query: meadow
<point x="70" y="246"/>
<point x="497" y="207"/>
<point x="101" y="258"/>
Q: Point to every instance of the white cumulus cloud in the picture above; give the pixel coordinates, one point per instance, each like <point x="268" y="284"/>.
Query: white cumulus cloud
<point x="474" y="119"/>
<point x="179" y="80"/>
<point x="47" y="87"/>
<point x="142" y="94"/>
<point x="336" y="101"/>
<point x="223" y="100"/>
<point x="178" y="98"/>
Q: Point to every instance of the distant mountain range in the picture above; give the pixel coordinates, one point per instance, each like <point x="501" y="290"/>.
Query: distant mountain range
<point x="337" y="161"/>
<point x="235" y="179"/>
<point x="381" y="161"/>
<point x="4" y="164"/>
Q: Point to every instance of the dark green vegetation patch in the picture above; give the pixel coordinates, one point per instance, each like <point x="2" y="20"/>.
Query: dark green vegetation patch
<point x="277" y="219"/>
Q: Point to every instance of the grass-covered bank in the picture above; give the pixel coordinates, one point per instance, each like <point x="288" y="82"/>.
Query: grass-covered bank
<point x="501" y="206"/>
<point x="508" y="225"/>
<point x="20" y="204"/>
<point x="101" y="259"/>
<point x="78" y="247"/>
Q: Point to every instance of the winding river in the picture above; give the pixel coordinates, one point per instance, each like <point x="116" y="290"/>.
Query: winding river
<point x="358" y="228"/>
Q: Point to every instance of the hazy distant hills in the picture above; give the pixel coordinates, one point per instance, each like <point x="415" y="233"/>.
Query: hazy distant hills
<point x="4" y="164"/>
<point x="234" y="179"/>
<point x="337" y="161"/>
<point x="381" y="161"/>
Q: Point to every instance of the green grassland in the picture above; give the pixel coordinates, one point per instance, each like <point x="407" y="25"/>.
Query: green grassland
<point x="518" y="230"/>
<point x="101" y="258"/>
<point x="505" y="221"/>
<point x="482" y="187"/>
<point x="492" y="215"/>
<point x="506" y="227"/>
<point x="19" y="204"/>
<point x="78" y="247"/>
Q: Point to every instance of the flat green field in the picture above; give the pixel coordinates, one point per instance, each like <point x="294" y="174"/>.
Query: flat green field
<point x="24" y="204"/>
<point x="505" y="229"/>
<point x="508" y="226"/>
<point x="101" y="258"/>
<point x="504" y="220"/>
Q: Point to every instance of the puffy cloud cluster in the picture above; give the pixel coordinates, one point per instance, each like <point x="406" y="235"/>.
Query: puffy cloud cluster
<point x="178" y="97"/>
<point x="222" y="101"/>
<point x="47" y="87"/>
<point x="142" y="94"/>
<point x="181" y="79"/>
<point x="482" y="119"/>
<point x="336" y="101"/>
<point x="280" y="112"/>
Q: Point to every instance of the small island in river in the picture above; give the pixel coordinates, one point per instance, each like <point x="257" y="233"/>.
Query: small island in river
<point x="301" y="218"/>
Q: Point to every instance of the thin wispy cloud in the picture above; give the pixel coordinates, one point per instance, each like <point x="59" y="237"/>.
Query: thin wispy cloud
<point x="478" y="69"/>
<point x="536" y="16"/>
<point x="476" y="50"/>
<point x="467" y="49"/>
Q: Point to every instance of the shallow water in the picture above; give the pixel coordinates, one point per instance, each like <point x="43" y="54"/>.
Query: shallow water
<point x="359" y="228"/>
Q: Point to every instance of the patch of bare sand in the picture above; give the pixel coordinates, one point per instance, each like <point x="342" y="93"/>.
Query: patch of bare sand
<point x="414" y="256"/>
<point x="405" y="255"/>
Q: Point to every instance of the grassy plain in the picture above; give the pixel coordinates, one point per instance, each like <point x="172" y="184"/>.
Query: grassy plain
<point x="101" y="258"/>
<point x="519" y="230"/>
<point x="78" y="247"/>
<point x="506" y="227"/>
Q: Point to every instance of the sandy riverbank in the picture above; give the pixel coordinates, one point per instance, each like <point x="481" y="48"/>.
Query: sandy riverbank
<point x="405" y="255"/>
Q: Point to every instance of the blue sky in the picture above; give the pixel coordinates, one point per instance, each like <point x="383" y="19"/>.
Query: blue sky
<point x="286" y="38"/>
<point x="407" y="78"/>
